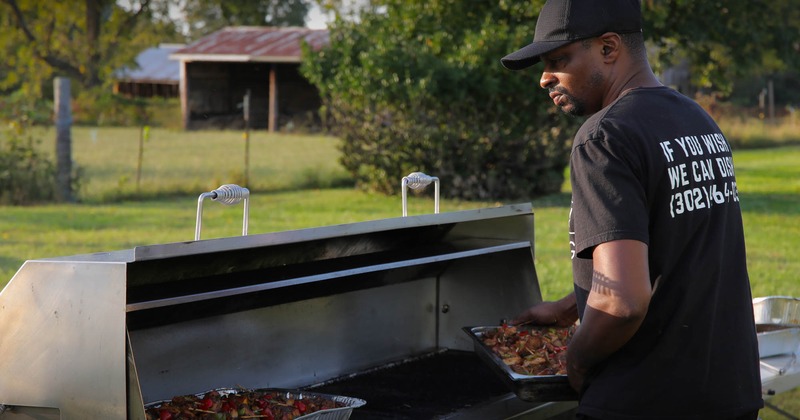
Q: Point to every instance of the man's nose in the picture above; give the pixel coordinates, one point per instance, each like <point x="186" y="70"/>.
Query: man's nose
<point x="547" y="80"/>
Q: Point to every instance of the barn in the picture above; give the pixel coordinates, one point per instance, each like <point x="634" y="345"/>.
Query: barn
<point x="248" y="77"/>
<point x="154" y="74"/>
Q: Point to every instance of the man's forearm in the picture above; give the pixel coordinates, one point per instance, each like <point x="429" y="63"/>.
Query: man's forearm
<point x="615" y="308"/>
<point x="600" y="335"/>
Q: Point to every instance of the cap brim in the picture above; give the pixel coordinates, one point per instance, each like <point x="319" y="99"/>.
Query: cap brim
<point x="529" y="54"/>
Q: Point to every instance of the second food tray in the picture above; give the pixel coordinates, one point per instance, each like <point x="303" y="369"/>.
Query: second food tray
<point x="533" y="388"/>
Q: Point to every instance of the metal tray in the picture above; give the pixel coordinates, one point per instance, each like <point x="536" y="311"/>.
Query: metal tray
<point x="533" y="388"/>
<point x="777" y="310"/>
<point x="777" y="340"/>
<point x="340" y="413"/>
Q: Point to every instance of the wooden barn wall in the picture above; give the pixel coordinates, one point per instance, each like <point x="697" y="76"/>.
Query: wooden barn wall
<point x="146" y="89"/>
<point x="298" y="100"/>
<point x="216" y="92"/>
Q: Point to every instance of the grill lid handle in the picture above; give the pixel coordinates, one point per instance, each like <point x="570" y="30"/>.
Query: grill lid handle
<point x="419" y="180"/>
<point x="227" y="194"/>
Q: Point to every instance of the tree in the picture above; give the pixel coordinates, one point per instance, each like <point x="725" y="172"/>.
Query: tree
<point x="207" y="16"/>
<point x="418" y="86"/>
<point x="87" y="43"/>
<point x="412" y="85"/>
<point x="723" y="41"/>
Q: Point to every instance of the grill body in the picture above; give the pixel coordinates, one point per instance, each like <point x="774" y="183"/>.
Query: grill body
<point x="100" y="335"/>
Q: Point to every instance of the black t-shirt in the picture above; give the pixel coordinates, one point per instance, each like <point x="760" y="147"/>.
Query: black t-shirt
<point x="654" y="167"/>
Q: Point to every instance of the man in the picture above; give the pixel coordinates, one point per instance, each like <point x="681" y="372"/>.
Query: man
<point x="661" y="284"/>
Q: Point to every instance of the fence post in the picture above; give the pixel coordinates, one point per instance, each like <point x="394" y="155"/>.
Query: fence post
<point x="63" y="116"/>
<point x="246" y="107"/>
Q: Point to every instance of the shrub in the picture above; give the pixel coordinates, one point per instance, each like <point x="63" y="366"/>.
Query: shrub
<point x="26" y="176"/>
<point x="25" y="112"/>
<point x="101" y="108"/>
<point x="418" y="86"/>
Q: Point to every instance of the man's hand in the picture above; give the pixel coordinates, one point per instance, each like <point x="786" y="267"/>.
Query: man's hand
<point x="561" y="313"/>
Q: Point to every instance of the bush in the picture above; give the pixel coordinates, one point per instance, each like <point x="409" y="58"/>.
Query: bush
<point x="19" y="107"/>
<point x="102" y="108"/>
<point x="418" y="86"/>
<point x="26" y="176"/>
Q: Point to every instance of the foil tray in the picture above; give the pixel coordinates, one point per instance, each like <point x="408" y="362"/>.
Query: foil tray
<point x="340" y="413"/>
<point x="533" y="388"/>
<point x="777" y="310"/>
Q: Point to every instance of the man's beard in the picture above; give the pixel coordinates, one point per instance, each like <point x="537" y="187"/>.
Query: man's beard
<point x="579" y="106"/>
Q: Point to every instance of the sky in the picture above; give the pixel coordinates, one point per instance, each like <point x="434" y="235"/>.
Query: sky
<point x="316" y="19"/>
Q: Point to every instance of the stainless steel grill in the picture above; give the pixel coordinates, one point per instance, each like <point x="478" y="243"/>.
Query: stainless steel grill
<point x="778" y="326"/>
<point x="370" y="310"/>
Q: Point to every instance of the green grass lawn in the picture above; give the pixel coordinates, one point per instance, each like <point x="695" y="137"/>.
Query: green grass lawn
<point x="180" y="163"/>
<point x="296" y="183"/>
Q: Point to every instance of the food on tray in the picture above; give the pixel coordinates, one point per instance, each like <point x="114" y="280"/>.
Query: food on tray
<point x="264" y="405"/>
<point x="535" y="351"/>
<point x="760" y="328"/>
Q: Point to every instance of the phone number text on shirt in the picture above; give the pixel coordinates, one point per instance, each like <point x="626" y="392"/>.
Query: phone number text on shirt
<point x="702" y="197"/>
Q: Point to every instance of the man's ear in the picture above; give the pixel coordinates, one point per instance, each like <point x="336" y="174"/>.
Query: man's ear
<point x="610" y="45"/>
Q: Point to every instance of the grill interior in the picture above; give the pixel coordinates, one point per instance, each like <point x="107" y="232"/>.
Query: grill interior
<point x="423" y="388"/>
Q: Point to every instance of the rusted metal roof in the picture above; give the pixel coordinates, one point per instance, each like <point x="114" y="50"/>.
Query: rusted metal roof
<point x="253" y="43"/>
<point x="153" y="65"/>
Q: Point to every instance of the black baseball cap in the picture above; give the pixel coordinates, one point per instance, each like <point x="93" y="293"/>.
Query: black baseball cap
<point x="562" y="22"/>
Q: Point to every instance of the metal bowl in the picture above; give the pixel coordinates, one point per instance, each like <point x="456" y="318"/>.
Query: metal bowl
<point x="777" y="310"/>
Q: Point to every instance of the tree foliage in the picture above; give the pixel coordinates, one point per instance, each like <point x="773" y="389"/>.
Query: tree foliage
<point x="85" y="41"/>
<point x="414" y="85"/>
<point x="724" y="40"/>
<point x="206" y="16"/>
<point x="418" y="86"/>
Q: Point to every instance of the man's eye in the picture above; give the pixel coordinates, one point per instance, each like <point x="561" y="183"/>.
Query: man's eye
<point x="555" y="61"/>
